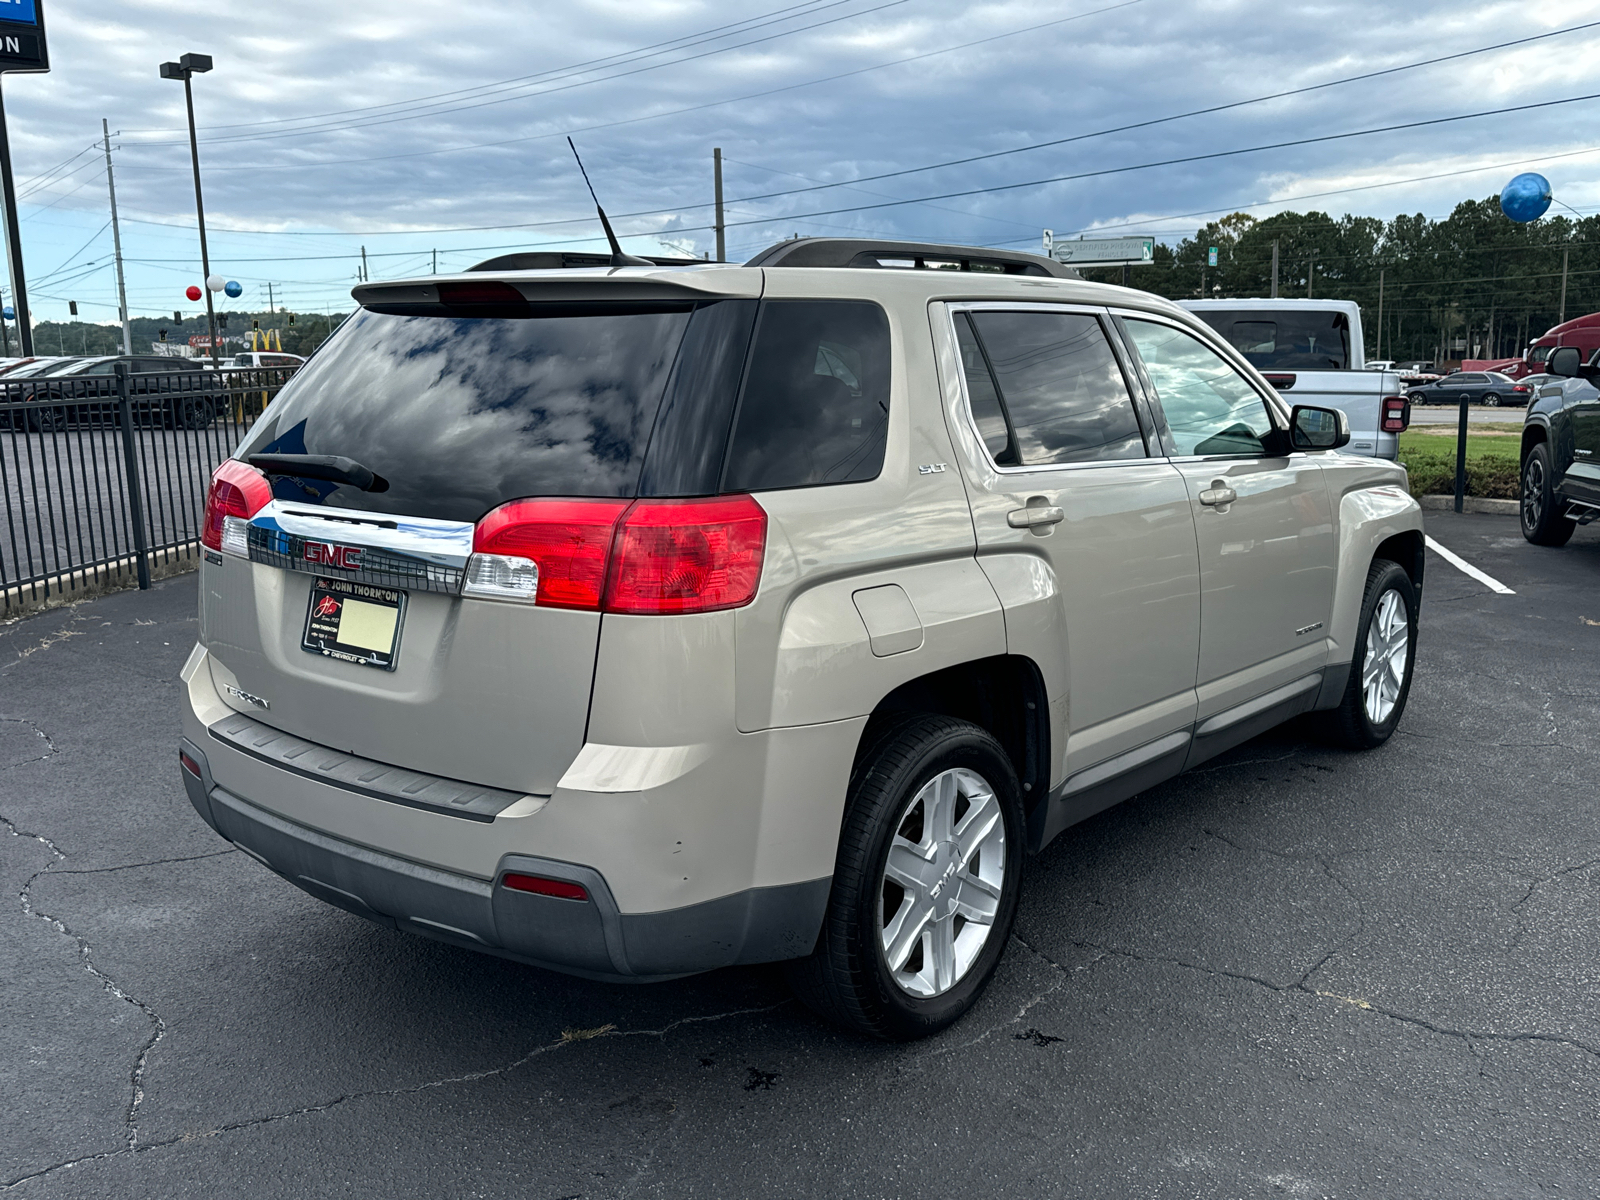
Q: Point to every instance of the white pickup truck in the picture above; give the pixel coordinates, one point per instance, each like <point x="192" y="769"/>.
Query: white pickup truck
<point x="1312" y="352"/>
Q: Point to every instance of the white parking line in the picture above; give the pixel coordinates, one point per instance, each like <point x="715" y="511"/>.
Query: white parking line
<point x="1466" y="568"/>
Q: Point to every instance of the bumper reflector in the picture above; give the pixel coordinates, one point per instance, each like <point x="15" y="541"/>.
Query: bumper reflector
<point x="540" y="886"/>
<point x="188" y="764"/>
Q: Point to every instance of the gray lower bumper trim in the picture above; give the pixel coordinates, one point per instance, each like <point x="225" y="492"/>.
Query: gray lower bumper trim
<point x="589" y="938"/>
<point x="361" y="775"/>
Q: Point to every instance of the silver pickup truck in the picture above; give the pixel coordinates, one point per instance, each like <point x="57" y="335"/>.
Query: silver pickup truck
<point x="1312" y="351"/>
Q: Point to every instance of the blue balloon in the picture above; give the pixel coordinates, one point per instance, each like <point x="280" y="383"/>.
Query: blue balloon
<point x="233" y="288"/>
<point x="9" y="313"/>
<point x="1526" y="198"/>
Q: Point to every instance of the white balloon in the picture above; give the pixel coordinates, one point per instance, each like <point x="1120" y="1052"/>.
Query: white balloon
<point x="216" y="282"/>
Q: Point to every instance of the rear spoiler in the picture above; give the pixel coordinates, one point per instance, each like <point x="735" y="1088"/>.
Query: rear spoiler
<point x="609" y="290"/>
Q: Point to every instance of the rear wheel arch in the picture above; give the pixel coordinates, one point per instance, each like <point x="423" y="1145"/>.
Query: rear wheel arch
<point x="1003" y="694"/>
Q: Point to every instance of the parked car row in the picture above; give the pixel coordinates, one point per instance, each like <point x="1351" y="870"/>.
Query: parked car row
<point x="168" y="392"/>
<point x="1489" y="388"/>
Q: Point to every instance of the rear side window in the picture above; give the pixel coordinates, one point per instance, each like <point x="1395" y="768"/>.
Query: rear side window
<point x="1058" y="382"/>
<point x="815" y="404"/>
<point x="460" y="414"/>
<point x="1278" y="339"/>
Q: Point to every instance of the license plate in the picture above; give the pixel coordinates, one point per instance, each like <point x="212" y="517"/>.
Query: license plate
<point x="354" y="622"/>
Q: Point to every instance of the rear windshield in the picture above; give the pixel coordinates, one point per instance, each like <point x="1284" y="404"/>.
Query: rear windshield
<point x="1275" y="339"/>
<point x="460" y="414"/>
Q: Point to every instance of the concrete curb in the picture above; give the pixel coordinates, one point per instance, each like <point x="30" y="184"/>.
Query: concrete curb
<point x="1472" y="504"/>
<point x="69" y="587"/>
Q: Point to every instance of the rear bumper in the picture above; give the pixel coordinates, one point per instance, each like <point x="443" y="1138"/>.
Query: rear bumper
<point x="591" y="938"/>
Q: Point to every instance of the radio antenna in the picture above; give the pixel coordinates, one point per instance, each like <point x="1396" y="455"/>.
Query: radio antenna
<point x="618" y="258"/>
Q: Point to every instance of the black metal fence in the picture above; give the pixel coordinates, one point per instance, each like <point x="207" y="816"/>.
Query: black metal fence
<point x="104" y="476"/>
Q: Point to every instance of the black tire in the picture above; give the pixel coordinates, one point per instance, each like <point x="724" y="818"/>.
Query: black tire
<point x="1352" y="725"/>
<point x="1492" y="399"/>
<point x="190" y="412"/>
<point x="847" y="978"/>
<point x="47" y="420"/>
<point x="1543" y="523"/>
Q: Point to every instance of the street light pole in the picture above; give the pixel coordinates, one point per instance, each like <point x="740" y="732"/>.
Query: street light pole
<point x="184" y="68"/>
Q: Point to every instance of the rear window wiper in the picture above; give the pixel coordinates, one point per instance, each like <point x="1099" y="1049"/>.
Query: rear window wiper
<point x="335" y="468"/>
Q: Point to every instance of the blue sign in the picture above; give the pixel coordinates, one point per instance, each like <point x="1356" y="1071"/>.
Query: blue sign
<point x="22" y="40"/>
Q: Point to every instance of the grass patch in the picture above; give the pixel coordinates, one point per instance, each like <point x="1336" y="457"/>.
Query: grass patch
<point x="1493" y="461"/>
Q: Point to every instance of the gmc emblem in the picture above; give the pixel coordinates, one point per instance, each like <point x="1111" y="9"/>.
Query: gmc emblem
<point x="346" y="558"/>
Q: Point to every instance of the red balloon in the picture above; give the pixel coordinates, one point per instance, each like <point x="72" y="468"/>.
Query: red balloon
<point x="192" y="292"/>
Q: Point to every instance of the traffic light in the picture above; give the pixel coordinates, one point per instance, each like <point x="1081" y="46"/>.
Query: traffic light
<point x="291" y="318"/>
<point x="162" y="333"/>
<point x="177" y="318"/>
<point x="255" y="323"/>
<point x="72" y="307"/>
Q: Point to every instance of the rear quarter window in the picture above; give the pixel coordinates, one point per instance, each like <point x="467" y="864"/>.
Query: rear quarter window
<point x="815" y="404"/>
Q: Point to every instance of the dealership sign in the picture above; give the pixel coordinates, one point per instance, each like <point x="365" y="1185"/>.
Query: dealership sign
<point x="22" y="43"/>
<point x="1105" y="252"/>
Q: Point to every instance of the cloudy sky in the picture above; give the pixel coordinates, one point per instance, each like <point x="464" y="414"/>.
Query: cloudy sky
<point x="409" y="128"/>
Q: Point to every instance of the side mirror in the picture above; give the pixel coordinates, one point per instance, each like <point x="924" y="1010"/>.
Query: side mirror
<point x="1318" y="428"/>
<point x="1564" y="361"/>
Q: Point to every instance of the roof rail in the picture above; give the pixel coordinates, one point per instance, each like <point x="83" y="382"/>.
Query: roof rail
<point x="557" y="260"/>
<point x="869" y="252"/>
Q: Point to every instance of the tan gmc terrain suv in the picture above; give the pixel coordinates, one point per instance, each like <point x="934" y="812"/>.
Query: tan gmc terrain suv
<point x="642" y="621"/>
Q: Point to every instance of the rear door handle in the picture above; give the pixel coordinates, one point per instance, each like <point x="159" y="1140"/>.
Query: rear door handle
<point x="1029" y="518"/>
<point x="1219" y="495"/>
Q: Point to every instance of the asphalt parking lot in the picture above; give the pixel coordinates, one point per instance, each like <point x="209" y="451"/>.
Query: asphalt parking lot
<point x="1296" y="972"/>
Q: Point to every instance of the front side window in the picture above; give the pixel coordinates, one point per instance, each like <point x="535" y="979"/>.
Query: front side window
<point x="815" y="407"/>
<point x="1210" y="408"/>
<point x="1058" y="386"/>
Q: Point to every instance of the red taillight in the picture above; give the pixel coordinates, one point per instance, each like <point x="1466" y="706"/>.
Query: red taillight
<point x="688" y="556"/>
<point x="1396" y="414"/>
<point x="540" y="886"/>
<point x="569" y="539"/>
<point x="651" y="556"/>
<point x="237" y="490"/>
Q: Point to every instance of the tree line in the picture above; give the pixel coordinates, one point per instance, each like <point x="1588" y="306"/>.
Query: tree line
<point x="305" y="334"/>
<point x="1474" y="284"/>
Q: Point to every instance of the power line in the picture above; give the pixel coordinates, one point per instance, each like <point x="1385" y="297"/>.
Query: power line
<point x="676" y="112"/>
<point x="1198" y="112"/>
<point x="706" y="34"/>
<point x="1192" y="158"/>
<point x="339" y="128"/>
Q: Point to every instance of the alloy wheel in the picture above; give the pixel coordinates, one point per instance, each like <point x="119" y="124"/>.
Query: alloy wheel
<point x="1532" y="493"/>
<point x="1383" y="671"/>
<point x="942" y="882"/>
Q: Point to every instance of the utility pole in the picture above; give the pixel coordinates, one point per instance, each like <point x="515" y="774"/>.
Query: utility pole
<point x="1379" y="352"/>
<point x="436" y="261"/>
<point x="1559" y="321"/>
<point x="716" y="176"/>
<point x="19" y="287"/>
<point x="363" y="264"/>
<point x="271" y="306"/>
<point x="1274" y="268"/>
<point x="116" y="242"/>
<point x="1311" y="275"/>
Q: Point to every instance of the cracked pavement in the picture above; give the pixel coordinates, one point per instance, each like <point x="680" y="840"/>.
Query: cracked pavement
<point x="1295" y="972"/>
